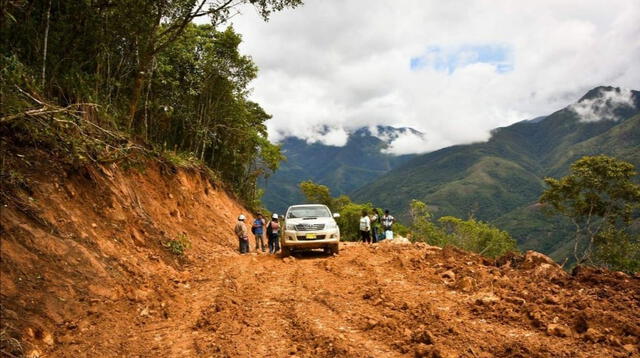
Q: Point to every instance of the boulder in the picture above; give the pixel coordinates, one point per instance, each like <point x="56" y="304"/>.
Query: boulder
<point x="593" y="335"/>
<point x="558" y="330"/>
<point x="423" y="335"/>
<point x="516" y="300"/>
<point x="467" y="284"/>
<point x="487" y="299"/>
<point x="532" y="259"/>
<point x="449" y="274"/>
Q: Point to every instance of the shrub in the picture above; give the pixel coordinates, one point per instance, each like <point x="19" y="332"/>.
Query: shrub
<point x="179" y="245"/>
<point x="477" y="236"/>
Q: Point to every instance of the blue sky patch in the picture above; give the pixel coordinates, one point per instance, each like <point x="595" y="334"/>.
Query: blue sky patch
<point x="448" y="59"/>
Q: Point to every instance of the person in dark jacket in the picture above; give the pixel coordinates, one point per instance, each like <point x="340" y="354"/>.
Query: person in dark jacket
<point x="375" y="226"/>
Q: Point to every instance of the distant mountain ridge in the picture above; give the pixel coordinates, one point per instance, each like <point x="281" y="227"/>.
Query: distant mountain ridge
<point x="343" y="169"/>
<point x="500" y="180"/>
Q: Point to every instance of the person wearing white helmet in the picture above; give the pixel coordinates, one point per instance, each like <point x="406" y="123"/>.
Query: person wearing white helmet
<point x="242" y="233"/>
<point x="273" y="234"/>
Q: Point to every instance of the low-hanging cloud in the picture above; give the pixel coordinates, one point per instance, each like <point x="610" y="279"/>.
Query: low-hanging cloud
<point x="601" y="107"/>
<point x="359" y="63"/>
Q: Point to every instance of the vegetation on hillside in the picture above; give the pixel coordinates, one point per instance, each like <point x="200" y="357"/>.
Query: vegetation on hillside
<point x="103" y="79"/>
<point x="472" y="235"/>
<point x="500" y="181"/>
<point x="600" y="199"/>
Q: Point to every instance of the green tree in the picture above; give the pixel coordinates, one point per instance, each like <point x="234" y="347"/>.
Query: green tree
<point x="349" y="211"/>
<point x="422" y="228"/>
<point x="477" y="236"/>
<point x="600" y="198"/>
<point x="141" y="67"/>
<point x="471" y="235"/>
<point x="317" y="194"/>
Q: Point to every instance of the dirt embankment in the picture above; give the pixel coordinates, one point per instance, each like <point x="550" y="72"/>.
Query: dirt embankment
<point x="78" y="248"/>
<point x="85" y="274"/>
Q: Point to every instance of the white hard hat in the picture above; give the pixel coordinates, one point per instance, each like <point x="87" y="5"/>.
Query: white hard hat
<point x="274" y="216"/>
<point x="241" y="217"/>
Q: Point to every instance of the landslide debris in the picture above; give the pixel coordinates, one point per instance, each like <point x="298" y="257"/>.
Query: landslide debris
<point x="85" y="274"/>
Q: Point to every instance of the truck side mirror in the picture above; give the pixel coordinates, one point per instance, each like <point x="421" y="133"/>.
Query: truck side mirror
<point x="336" y="215"/>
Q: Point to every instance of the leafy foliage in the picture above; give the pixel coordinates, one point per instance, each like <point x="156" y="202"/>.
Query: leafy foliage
<point x="140" y="70"/>
<point x="422" y="226"/>
<point x="471" y="235"/>
<point x="179" y="245"/>
<point x="599" y="197"/>
<point x="349" y="211"/>
<point x="317" y="194"/>
<point x="478" y="236"/>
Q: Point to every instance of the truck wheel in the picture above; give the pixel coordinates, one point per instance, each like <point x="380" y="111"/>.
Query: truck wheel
<point x="335" y="249"/>
<point x="285" y="252"/>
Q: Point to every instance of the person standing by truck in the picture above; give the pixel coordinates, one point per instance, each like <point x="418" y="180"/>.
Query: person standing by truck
<point x="387" y="223"/>
<point x="365" y="227"/>
<point x="273" y="234"/>
<point x="243" y="235"/>
<point x="258" y="231"/>
<point x="375" y="226"/>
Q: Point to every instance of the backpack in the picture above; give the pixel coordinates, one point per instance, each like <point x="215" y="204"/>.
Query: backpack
<point x="271" y="228"/>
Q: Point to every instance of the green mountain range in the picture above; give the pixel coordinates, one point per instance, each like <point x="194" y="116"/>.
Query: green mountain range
<point x="500" y="180"/>
<point x="343" y="169"/>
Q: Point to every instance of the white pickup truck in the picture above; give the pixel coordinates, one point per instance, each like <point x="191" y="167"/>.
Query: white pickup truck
<point x="310" y="227"/>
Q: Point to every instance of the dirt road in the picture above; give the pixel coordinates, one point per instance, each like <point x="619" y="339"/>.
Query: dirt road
<point x="379" y="301"/>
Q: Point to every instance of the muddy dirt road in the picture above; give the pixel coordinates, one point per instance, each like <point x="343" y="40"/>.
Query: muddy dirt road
<point x="379" y="301"/>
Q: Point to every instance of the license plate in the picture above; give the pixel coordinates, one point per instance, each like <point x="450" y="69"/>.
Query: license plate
<point x="311" y="236"/>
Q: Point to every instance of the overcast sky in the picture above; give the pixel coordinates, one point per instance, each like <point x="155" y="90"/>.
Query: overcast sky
<point x="451" y="69"/>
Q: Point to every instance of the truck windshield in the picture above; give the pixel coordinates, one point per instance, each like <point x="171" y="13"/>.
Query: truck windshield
<point x="308" y="212"/>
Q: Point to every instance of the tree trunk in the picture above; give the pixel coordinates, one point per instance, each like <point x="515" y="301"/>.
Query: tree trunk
<point x="136" y="93"/>
<point x="44" y="47"/>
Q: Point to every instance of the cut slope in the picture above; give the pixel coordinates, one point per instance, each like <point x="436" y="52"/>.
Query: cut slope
<point x="80" y="247"/>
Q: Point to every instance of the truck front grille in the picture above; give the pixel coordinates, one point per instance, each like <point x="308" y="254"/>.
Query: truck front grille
<point x="309" y="227"/>
<point x="318" y="237"/>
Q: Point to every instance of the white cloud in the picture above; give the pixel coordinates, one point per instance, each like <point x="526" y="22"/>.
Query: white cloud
<point x="347" y="64"/>
<point x="600" y="107"/>
<point x="407" y="143"/>
<point x="334" y="136"/>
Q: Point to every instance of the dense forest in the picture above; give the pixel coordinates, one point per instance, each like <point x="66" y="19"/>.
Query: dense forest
<point x="99" y="79"/>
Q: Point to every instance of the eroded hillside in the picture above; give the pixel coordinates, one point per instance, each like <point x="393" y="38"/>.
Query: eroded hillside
<point x="85" y="273"/>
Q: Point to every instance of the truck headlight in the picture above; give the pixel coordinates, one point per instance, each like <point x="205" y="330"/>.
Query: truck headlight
<point x="331" y="226"/>
<point x="290" y="227"/>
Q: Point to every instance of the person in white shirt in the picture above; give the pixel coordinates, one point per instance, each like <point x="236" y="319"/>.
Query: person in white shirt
<point x="365" y="227"/>
<point x="387" y="223"/>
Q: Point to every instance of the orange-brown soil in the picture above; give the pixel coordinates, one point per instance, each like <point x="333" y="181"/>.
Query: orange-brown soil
<point x="85" y="274"/>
